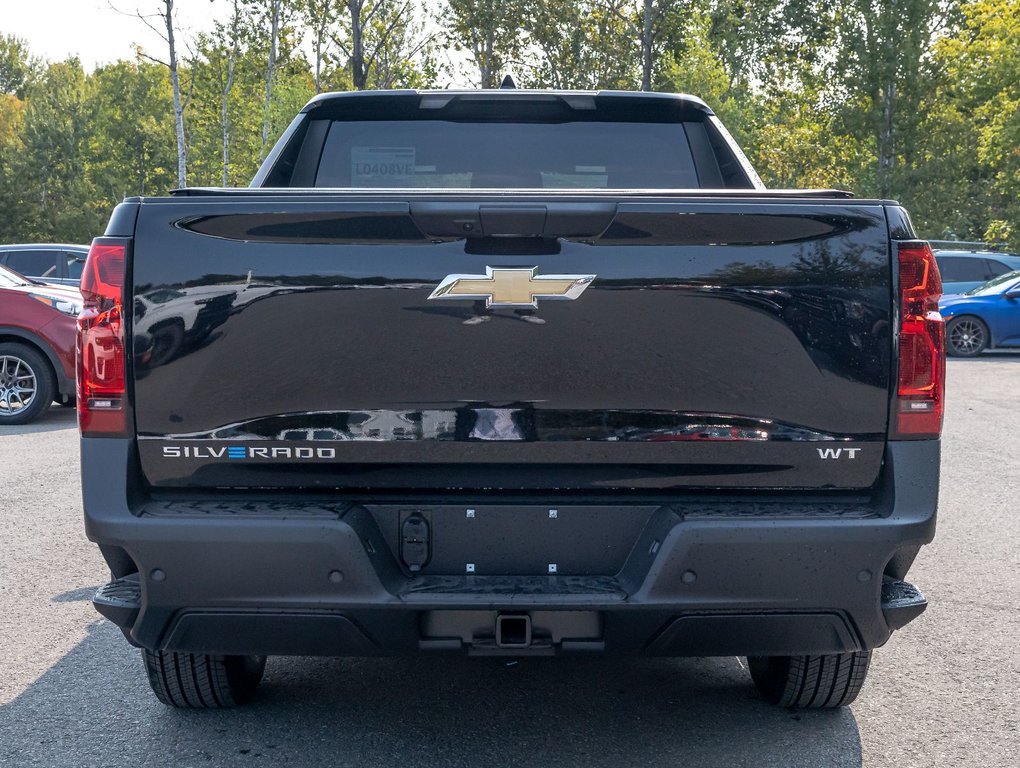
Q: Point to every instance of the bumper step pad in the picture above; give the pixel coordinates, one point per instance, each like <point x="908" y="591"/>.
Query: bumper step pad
<point x="902" y="602"/>
<point x="120" y="600"/>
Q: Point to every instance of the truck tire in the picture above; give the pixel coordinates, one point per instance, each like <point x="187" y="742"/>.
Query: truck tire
<point x="810" y="682"/>
<point x="27" y="384"/>
<point x="203" y="681"/>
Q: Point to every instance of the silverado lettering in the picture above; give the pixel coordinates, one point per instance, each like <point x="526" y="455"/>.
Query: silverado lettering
<point x="242" y="452"/>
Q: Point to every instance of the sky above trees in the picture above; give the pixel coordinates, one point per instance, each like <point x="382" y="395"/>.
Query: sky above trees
<point x="93" y="30"/>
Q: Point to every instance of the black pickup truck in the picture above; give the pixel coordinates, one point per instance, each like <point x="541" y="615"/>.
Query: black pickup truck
<point x="509" y="373"/>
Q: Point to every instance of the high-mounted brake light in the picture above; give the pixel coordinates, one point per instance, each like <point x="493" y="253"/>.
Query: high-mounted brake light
<point x="920" y="400"/>
<point x="100" y="342"/>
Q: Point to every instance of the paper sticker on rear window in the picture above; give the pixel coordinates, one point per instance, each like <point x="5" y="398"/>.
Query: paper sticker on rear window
<point x="382" y="166"/>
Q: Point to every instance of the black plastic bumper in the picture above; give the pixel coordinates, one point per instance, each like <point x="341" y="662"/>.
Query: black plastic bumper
<point x="314" y="577"/>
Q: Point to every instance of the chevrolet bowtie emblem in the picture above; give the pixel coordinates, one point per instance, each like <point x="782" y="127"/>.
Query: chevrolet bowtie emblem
<point x="508" y="287"/>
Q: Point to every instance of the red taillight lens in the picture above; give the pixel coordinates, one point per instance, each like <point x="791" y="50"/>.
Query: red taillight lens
<point x="922" y="365"/>
<point x="100" y="343"/>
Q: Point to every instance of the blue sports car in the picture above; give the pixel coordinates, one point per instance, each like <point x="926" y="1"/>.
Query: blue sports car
<point x="983" y="317"/>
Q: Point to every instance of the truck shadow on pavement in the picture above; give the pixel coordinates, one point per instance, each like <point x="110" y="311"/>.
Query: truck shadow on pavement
<point x="990" y="356"/>
<point x="94" y="708"/>
<point x="56" y="418"/>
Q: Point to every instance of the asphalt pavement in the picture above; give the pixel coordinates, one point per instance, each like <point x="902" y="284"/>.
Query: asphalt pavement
<point x="942" y="692"/>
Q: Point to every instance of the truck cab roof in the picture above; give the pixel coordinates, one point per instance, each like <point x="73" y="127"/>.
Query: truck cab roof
<point x="579" y="100"/>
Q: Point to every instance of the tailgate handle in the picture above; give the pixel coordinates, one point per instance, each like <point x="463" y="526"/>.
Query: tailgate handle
<point x="513" y="220"/>
<point x="547" y="220"/>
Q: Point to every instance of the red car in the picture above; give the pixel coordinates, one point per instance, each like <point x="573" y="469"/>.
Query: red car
<point x="37" y="331"/>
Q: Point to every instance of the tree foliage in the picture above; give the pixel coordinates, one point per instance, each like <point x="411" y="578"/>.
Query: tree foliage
<point x="489" y="32"/>
<point x="980" y="93"/>
<point x="917" y="100"/>
<point x="17" y="68"/>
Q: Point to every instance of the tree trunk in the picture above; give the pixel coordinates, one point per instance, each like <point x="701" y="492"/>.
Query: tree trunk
<point x="274" y="34"/>
<point x="887" y="140"/>
<point x="225" y="95"/>
<point x="488" y="77"/>
<point x="225" y="120"/>
<point x="318" y="59"/>
<point x="359" y="77"/>
<point x="182" y="152"/>
<point x="646" y="45"/>
<point x="319" y="17"/>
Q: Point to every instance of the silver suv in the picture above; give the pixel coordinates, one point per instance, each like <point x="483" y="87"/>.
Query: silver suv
<point x="49" y="262"/>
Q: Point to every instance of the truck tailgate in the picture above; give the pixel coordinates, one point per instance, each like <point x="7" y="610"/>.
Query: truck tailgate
<point x="739" y="341"/>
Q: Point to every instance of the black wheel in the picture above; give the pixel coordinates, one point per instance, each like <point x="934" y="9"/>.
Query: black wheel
<point x="814" y="682"/>
<point x="966" y="336"/>
<point x="27" y="384"/>
<point x="202" y="681"/>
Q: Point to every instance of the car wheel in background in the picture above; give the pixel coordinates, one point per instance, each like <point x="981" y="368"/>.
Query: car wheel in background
<point x="201" y="680"/>
<point x="166" y="341"/>
<point x="27" y="384"/>
<point x="966" y="336"/>
<point x="815" y="682"/>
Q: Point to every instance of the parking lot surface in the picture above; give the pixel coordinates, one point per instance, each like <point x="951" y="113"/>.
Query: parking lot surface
<point x="943" y="692"/>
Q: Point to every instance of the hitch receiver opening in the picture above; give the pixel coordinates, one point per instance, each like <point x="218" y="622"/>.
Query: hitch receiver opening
<point x="513" y="630"/>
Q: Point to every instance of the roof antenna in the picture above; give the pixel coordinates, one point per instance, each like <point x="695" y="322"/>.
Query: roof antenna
<point x="508" y="82"/>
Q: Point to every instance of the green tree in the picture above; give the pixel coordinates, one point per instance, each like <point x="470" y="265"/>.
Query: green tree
<point x="489" y="31"/>
<point x="163" y="22"/>
<point x="772" y="46"/>
<point x="879" y="58"/>
<point x="583" y="44"/>
<point x="50" y="167"/>
<point x="131" y="145"/>
<point x="318" y="17"/>
<point x="693" y="64"/>
<point x="17" y="68"/>
<point x="13" y="209"/>
<point x="384" y="44"/>
<point x="215" y="76"/>
<point x="270" y="15"/>
<point x="227" y="112"/>
<point x="981" y="94"/>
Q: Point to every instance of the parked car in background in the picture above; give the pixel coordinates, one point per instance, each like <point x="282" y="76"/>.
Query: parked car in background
<point x="985" y="317"/>
<point x="51" y="263"/>
<point x="37" y="330"/>
<point x="964" y="270"/>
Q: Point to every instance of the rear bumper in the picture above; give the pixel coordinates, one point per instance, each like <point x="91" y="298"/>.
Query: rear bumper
<point x="319" y="578"/>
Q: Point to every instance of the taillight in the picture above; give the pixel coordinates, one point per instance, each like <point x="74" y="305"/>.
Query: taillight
<point x="100" y="345"/>
<point x="921" y="386"/>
